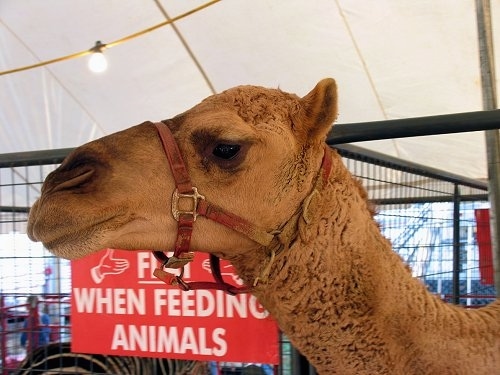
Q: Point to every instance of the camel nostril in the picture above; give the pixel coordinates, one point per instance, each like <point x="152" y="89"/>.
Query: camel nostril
<point x="73" y="182"/>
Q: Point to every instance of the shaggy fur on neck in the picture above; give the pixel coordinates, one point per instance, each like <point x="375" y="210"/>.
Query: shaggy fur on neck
<point x="351" y="306"/>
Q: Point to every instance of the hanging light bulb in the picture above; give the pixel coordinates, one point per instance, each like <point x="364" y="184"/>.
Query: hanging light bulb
<point x="97" y="61"/>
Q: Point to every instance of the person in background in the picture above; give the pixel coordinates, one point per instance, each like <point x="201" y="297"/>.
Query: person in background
<point x="36" y="330"/>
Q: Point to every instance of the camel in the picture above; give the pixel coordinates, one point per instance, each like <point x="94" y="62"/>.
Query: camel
<point x="305" y="243"/>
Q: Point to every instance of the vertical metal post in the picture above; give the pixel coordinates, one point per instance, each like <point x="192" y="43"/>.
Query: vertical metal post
<point x="456" y="246"/>
<point x="3" y="335"/>
<point x="487" y="64"/>
<point x="300" y="365"/>
<point x="297" y="359"/>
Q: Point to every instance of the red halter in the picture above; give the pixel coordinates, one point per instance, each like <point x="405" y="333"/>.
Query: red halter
<point x="200" y="207"/>
<point x="185" y="219"/>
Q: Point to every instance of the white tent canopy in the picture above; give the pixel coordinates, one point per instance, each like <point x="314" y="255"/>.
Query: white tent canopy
<point x="391" y="58"/>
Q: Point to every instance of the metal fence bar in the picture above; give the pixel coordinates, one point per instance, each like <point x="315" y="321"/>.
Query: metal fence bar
<point x="412" y="127"/>
<point x="492" y="137"/>
<point x="56" y="156"/>
<point x="436" y="199"/>
<point x="456" y="245"/>
<point x="28" y="158"/>
<point x="14" y="209"/>
<point x="377" y="158"/>
<point x="340" y="133"/>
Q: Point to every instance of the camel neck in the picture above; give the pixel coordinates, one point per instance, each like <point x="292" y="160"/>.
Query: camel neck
<point x="322" y="281"/>
<point x="340" y="288"/>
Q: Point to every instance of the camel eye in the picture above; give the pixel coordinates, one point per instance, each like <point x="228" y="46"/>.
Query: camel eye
<point x="226" y="151"/>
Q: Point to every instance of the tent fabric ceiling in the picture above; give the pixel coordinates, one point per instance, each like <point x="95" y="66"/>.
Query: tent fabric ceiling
<point x="391" y="59"/>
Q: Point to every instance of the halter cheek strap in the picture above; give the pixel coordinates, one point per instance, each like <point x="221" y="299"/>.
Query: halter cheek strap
<point x="198" y="206"/>
<point x="186" y="218"/>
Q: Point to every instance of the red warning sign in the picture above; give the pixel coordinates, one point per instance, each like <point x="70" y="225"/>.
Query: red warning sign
<point x="119" y="307"/>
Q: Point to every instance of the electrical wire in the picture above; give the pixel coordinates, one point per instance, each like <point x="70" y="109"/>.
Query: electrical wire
<point x="112" y="44"/>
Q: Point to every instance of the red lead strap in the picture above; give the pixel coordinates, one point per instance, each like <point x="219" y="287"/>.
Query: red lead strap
<point x="219" y="284"/>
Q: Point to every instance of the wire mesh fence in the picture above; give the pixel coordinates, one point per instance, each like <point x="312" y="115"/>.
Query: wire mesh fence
<point x="430" y="217"/>
<point x="431" y="221"/>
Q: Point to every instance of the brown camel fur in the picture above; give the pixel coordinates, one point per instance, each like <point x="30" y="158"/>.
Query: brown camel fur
<point x="336" y="288"/>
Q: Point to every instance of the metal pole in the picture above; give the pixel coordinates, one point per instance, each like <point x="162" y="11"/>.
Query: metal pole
<point x="340" y="134"/>
<point x="4" y="330"/>
<point x="412" y="127"/>
<point x="300" y="365"/>
<point x="486" y="57"/>
<point x="456" y="246"/>
<point x="15" y="159"/>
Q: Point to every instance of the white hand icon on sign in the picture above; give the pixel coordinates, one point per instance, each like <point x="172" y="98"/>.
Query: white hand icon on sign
<point x="108" y="265"/>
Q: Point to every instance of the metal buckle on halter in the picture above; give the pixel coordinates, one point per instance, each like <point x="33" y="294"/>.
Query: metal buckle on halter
<point x="176" y="196"/>
<point x="180" y="261"/>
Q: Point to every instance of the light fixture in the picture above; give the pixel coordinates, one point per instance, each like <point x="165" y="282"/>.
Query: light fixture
<point x="97" y="61"/>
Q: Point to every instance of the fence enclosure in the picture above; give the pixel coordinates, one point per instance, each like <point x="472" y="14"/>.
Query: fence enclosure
<point x="429" y="215"/>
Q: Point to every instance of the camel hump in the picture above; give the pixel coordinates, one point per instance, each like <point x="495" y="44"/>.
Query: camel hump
<point x="319" y="111"/>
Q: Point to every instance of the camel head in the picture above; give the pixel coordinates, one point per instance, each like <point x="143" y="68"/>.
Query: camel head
<point x="252" y="151"/>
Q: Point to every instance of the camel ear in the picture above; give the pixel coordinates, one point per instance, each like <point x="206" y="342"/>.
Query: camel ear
<point x="318" y="111"/>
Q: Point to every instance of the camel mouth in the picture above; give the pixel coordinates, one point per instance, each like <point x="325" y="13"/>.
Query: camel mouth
<point x="60" y="246"/>
<point x="70" y="233"/>
<point x="62" y="239"/>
